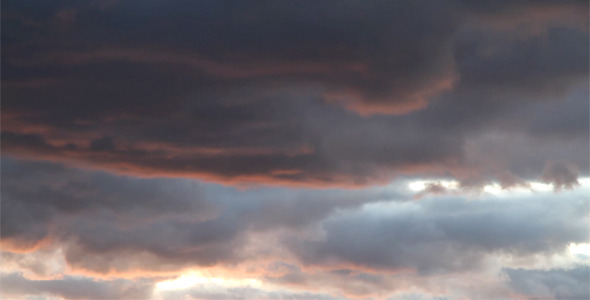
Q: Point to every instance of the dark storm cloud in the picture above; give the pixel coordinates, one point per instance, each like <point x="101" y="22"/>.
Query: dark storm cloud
<point x="317" y="34"/>
<point x="271" y="92"/>
<point x="445" y="235"/>
<point x="553" y="283"/>
<point x="70" y="287"/>
<point x="310" y="144"/>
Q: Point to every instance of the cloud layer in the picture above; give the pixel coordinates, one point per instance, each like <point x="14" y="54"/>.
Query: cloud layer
<point x="287" y="242"/>
<point x="317" y="93"/>
<point x="295" y="150"/>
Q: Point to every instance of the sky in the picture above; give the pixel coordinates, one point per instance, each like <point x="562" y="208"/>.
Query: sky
<point x="353" y="149"/>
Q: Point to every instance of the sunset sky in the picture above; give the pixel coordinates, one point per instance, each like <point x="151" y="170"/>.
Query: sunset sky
<point x="343" y="149"/>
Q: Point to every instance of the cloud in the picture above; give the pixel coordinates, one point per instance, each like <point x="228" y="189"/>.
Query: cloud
<point x="35" y="194"/>
<point x="357" y="94"/>
<point x="254" y="145"/>
<point x="144" y="141"/>
<point x="562" y="175"/>
<point x="14" y="284"/>
<point x="443" y="235"/>
<point x="109" y="224"/>
<point x="297" y="242"/>
<point x="553" y="283"/>
<point x="372" y="43"/>
<point x="435" y="188"/>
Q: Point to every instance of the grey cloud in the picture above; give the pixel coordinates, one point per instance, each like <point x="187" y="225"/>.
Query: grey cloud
<point x="109" y="223"/>
<point x="38" y="197"/>
<point x="562" y="175"/>
<point x="35" y="193"/>
<point x="102" y="144"/>
<point x="14" y="284"/>
<point x="445" y="235"/>
<point x="160" y="246"/>
<point x="74" y="190"/>
<point x="494" y="153"/>
<point x="545" y="64"/>
<point x="432" y="188"/>
<point x="553" y="283"/>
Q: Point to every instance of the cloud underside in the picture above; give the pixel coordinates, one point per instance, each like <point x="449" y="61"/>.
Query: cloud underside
<point x="318" y="93"/>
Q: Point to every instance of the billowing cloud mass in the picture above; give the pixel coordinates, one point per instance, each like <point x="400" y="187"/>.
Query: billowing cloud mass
<point x="295" y="150"/>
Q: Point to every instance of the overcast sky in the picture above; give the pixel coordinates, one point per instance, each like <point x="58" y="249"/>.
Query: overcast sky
<point x="358" y="149"/>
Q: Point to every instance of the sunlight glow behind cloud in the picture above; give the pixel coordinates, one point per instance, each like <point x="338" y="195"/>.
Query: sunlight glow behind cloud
<point x="493" y="188"/>
<point x="192" y="279"/>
